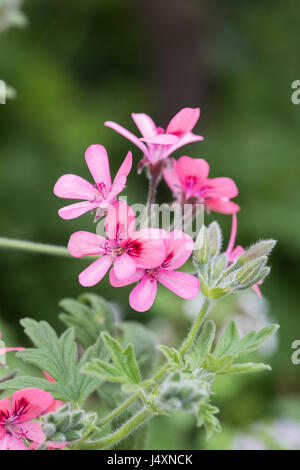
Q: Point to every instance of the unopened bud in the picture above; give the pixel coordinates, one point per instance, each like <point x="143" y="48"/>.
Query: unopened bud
<point x="220" y="265"/>
<point x="215" y="238"/>
<point x="201" y="250"/>
<point x="262" y="248"/>
<point x="249" y="272"/>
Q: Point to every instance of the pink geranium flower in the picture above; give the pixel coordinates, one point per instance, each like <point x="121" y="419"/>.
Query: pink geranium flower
<point x="157" y="143"/>
<point x="123" y="247"/>
<point x="233" y="252"/>
<point x="16" y="415"/>
<point x="188" y="179"/>
<point x="178" y="247"/>
<point x="97" y="196"/>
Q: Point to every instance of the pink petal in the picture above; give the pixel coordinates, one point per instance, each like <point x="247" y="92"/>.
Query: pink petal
<point x="32" y="431"/>
<point x="74" y="187"/>
<point x="147" y="247"/>
<point x="120" y="221"/>
<point x="232" y="238"/>
<point x="121" y="177"/>
<point x="30" y="403"/>
<point x="86" y="243"/>
<point x="187" y="139"/>
<point x="179" y="247"/>
<point x="183" y="284"/>
<point x="238" y="251"/>
<point x="115" y="282"/>
<point x="12" y="443"/>
<point x="145" y="124"/>
<point x="162" y="139"/>
<point x="95" y="272"/>
<point x="222" y="187"/>
<point x="56" y="445"/>
<point x="141" y="298"/>
<point x="222" y="205"/>
<point x="128" y="135"/>
<point x="171" y="177"/>
<point x="183" y="122"/>
<point x="257" y="290"/>
<point x="75" y="210"/>
<point x="5" y="408"/>
<point x="97" y="161"/>
<point x="124" y="266"/>
<point x="2" y="432"/>
<point x="48" y="377"/>
<point x="187" y="167"/>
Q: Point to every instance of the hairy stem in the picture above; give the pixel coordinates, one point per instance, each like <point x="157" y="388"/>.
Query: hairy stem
<point x="195" y="328"/>
<point x="33" y="247"/>
<point x="117" y="411"/>
<point x="125" y="430"/>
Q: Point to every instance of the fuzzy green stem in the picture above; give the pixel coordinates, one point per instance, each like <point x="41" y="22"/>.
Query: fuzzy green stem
<point x="117" y="411"/>
<point x="108" y="441"/>
<point x="33" y="247"/>
<point x="195" y="328"/>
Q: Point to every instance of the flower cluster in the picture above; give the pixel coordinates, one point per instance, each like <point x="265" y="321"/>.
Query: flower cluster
<point x="149" y="256"/>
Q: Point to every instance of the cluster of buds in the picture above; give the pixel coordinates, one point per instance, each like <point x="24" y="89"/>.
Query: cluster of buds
<point x="219" y="273"/>
<point x="180" y="391"/>
<point x="67" y="425"/>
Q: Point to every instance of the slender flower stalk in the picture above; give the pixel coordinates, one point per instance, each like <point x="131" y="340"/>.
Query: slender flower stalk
<point x="125" y="430"/>
<point x="33" y="247"/>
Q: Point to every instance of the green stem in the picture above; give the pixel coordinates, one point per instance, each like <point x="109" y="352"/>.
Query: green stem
<point x="119" y="410"/>
<point x="195" y="328"/>
<point x="108" y="441"/>
<point x="33" y="247"/>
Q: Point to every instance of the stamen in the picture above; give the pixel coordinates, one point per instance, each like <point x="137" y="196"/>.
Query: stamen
<point x="102" y="191"/>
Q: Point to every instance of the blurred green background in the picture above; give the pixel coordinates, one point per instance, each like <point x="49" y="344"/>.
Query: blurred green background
<point x="78" y="64"/>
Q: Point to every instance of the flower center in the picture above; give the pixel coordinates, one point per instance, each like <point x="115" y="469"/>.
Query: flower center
<point x="101" y="191"/>
<point x="190" y="183"/>
<point x="152" y="274"/>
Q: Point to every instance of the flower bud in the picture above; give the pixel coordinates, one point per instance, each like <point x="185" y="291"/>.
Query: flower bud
<point x="262" y="248"/>
<point x="249" y="272"/>
<point x="201" y="250"/>
<point x="215" y="238"/>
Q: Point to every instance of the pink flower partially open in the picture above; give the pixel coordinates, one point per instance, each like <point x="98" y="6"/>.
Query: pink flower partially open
<point x="157" y="143"/>
<point x="123" y="247"/>
<point x="178" y="248"/>
<point x="233" y="252"/>
<point x="16" y="415"/>
<point x="97" y="196"/>
<point x="188" y="180"/>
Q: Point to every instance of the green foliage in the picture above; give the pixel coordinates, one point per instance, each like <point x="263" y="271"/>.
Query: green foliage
<point x="201" y="346"/>
<point x="58" y="357"/>
<point x="206" y="417"/>
<point x="231" y="343"/>
<point x="172" y="355"/>
<point x="124" y="367"/>
<point x="143" y="342"/>
<point x="89" y="315"/>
